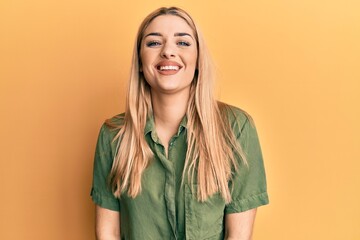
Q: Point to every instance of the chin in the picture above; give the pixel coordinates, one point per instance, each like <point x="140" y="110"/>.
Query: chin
<point x="172" y="89"/>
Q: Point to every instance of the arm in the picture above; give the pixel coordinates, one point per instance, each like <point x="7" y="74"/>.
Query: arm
<point x="107" y="224"/>
<point x="239" y="226"/>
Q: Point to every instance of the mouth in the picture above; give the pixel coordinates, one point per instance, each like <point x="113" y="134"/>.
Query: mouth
<point x="168" y="67"/>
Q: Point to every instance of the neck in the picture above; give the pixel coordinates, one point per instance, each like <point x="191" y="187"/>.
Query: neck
<point x="169" y="109"/>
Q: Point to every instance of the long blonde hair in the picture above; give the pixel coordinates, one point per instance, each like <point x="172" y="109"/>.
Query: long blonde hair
<point x="212" y="147"/>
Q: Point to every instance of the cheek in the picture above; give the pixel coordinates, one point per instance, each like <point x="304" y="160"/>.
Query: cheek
<point x="143" y="56"/>
<point x="193" y="58"/>
<point x="146" y="60"/>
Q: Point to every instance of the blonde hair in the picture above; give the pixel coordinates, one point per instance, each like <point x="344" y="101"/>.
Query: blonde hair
<point x="212" y="147"/>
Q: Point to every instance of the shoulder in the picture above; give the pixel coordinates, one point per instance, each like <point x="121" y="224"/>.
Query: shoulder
<point x="236" y="116"/>
<point x="116" y="121"/>
<point x="111" y="126"/>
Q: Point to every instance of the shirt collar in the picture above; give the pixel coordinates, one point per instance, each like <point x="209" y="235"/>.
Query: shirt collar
<point x="150" y="124"/>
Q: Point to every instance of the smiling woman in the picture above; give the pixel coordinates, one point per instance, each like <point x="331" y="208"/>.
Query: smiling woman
<point x="177" y="164"/>
<point x="168" y="55"/>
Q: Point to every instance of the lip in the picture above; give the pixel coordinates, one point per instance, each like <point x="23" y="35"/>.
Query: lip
<point x="168" y="71"/>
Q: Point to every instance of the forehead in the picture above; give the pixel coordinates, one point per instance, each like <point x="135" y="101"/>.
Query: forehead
<point x="168" y="24"/>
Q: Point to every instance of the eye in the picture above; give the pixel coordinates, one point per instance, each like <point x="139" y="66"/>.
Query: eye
<point x="184" y="43"/>
<point x="153" y="44"/>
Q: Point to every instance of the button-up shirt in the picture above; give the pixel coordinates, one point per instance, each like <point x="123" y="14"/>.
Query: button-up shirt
<point x="168" y="209"/>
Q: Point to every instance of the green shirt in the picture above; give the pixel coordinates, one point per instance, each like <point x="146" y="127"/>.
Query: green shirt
<point x="165" y="209"/>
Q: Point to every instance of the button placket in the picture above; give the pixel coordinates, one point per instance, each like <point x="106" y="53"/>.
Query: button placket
<point x="171" y="188"/>
<point x="169" y="193"/>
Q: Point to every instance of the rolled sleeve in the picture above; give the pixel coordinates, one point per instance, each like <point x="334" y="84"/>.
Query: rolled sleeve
<point x="101" y="193"/>
<point x="248" y="185"/>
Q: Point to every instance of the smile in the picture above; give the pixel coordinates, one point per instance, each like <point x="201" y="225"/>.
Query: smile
<point x="167" y="68"/>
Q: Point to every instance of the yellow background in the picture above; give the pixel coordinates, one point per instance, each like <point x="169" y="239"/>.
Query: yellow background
<point x="293" y="65"/>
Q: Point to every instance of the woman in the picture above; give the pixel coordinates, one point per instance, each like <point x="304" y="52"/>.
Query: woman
<point x="177" y="164"/>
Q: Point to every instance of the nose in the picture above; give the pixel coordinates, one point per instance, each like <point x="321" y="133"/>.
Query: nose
<point x="168" y="51"/>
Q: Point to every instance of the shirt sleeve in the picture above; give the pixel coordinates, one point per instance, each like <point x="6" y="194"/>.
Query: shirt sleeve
<point x="248" y="185"/>
<point x="101" y="193"/>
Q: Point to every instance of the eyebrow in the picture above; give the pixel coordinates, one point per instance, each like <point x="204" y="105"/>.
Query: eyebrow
<point x="179" y="34"/>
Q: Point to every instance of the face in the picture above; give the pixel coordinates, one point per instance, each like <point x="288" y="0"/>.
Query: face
<point x="168" y="54"/>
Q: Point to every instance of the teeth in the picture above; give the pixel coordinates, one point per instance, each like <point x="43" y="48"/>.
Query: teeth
<point x="169" y="68"/>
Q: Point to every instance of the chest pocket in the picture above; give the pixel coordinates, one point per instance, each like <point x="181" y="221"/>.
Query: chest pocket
<point x="204" y="220"/>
